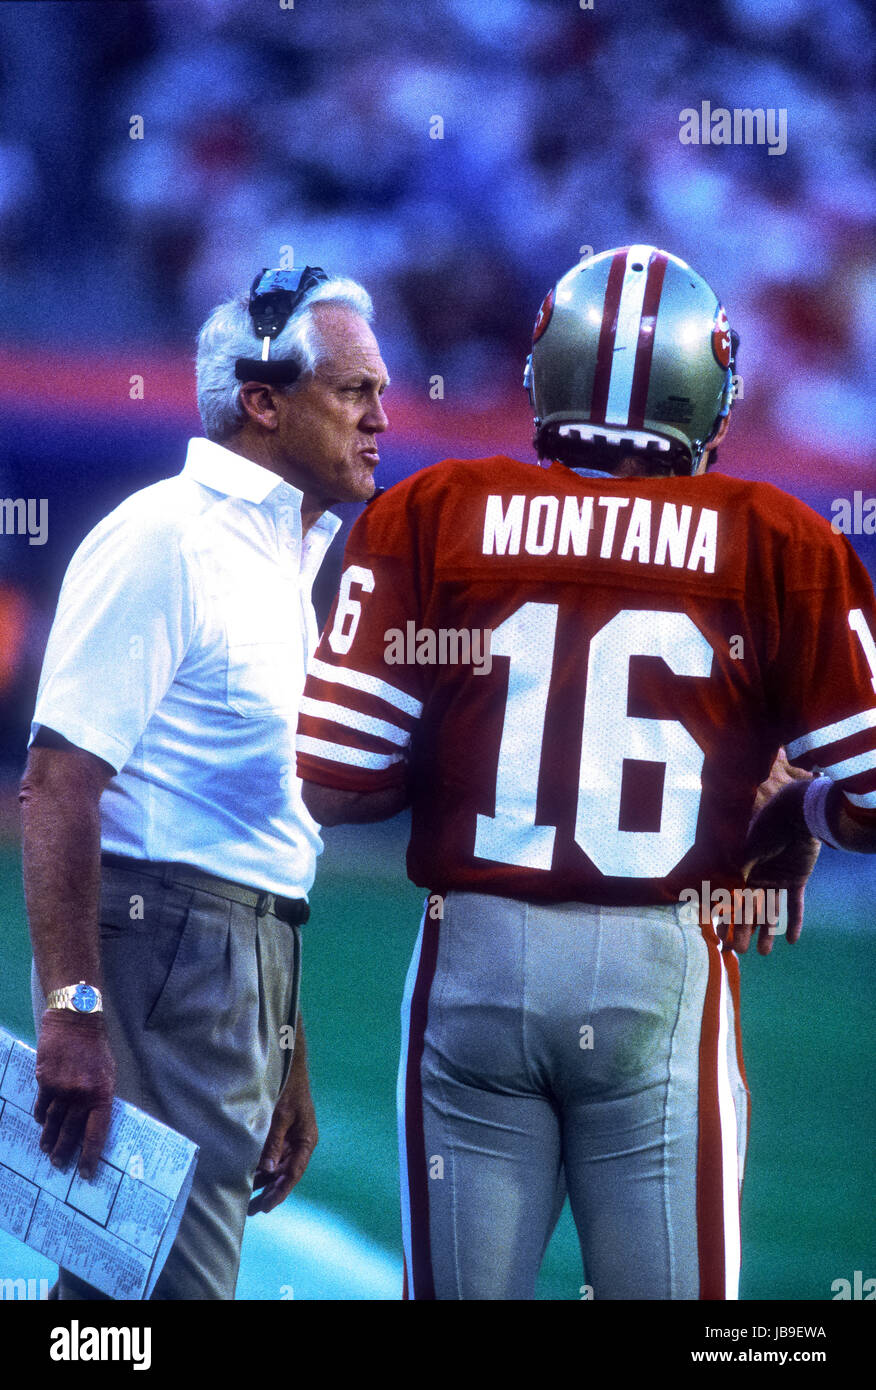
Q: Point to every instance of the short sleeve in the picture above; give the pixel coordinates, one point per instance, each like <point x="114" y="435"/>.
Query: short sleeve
<point x="364" y="694"/>
<point x="124" y="619"/>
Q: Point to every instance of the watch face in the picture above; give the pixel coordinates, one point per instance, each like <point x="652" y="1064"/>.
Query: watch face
<point x="84" y="999"/>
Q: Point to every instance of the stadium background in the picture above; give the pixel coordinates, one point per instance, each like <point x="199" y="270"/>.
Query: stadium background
<point x="312" y="127"/>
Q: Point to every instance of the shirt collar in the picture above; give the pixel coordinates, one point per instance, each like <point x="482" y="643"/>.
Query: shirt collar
<point x="222" y="470"/>
<point x="317" y="542"/>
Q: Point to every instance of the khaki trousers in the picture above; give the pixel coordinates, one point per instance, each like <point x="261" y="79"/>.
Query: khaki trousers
<point x="197" y="989"/>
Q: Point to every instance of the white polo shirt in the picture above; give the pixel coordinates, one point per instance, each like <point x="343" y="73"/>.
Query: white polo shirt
<point x="178" y="655"/>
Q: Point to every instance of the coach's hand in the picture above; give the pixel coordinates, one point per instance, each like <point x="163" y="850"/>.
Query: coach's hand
<point x="291" y="1140"/>
<point x="781" y="773"/>
<point x="76" y="1076"/>
<point x="779" y="853"/>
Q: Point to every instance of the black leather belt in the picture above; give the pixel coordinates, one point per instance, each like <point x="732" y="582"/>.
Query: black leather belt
<point x="294" y="911"/>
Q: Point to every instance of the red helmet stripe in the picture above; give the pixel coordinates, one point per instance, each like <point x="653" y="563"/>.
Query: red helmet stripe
<point x="645" y="346"/>
<point x="605" y="349"/>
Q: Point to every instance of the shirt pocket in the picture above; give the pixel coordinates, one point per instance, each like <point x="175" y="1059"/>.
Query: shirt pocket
<point x="265" y="660"/>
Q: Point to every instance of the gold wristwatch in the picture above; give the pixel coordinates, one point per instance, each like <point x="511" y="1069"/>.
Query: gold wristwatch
<point x="81" y="998"/>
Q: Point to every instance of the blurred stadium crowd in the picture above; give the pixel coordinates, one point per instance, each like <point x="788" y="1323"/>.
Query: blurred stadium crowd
<point x="313" y="126"/>
<point x="560" y="129"/>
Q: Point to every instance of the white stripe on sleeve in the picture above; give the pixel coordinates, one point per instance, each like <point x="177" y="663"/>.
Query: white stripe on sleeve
<point x="353" y="719"/>
<point x="867" y="800"/>
<point x="851" y="767"/>
<point x="357" y="680"/>
<point x="832" y="733"/>
<point x="340" y="753"/>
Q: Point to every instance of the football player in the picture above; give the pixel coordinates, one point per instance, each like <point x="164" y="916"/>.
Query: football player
<point x="578" y="674"/>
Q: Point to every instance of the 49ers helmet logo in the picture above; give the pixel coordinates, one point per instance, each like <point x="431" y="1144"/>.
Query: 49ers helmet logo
<point x="544" y="316"/>
<point x="721" y="338"/>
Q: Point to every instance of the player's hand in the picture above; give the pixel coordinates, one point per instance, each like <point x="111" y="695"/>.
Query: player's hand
<point x="291" y="1140"/>
<point x="76" y="1076"/>
<point x="780" y="853"/>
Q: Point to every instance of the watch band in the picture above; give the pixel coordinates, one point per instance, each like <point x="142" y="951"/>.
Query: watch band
<point x="81" y="999"/>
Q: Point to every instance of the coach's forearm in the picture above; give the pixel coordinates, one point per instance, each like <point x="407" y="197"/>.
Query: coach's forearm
<point x="328" y="806"/>
<point x="59" y="795"/>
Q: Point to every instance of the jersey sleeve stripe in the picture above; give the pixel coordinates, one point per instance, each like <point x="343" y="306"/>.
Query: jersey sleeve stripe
<point x="358" y="680"/>
<point x="340" y="753"/>
<point x="867" y="799"/>
<point x="832" y="733"/>
<point x="354" y="719"/>
<point x="851" y="767"/>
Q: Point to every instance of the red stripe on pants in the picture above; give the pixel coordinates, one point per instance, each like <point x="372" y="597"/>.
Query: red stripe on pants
<point x="419" y="1280"/>
<point x="731" y="961"/>
<point x="710" y="1165"/>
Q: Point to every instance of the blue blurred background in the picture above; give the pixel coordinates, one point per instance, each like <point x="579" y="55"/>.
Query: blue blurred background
<point x="310" y="132"/>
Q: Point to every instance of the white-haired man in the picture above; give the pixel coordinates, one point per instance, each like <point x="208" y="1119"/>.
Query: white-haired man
<point x="167" y="852"/>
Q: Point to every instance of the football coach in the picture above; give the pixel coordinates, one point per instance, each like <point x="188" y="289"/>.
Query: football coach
<point x="167" y="853"/>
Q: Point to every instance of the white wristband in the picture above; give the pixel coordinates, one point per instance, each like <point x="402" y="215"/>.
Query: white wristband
<point x="814" y="810"/>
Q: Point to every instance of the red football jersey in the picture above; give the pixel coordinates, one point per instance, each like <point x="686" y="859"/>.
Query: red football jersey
<point x="587" y="678"/>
